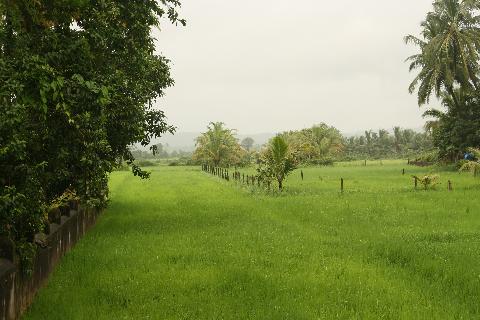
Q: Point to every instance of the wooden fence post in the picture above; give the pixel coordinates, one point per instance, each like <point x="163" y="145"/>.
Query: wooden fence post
<point x="301" y="173"/>
<point x="341" y="185"/>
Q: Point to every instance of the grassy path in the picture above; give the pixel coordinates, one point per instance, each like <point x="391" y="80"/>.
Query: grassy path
<point x="185" y="245"/>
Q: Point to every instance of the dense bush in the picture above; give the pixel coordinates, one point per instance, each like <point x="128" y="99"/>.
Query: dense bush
<point x="77" y="82"/>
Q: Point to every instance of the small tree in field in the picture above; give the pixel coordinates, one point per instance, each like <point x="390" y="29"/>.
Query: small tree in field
<point x="276" y="162"/>
<point x="218" y="145"/>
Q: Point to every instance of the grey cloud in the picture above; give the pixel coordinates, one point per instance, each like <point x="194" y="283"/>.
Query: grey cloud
<point x="273" y="65"/>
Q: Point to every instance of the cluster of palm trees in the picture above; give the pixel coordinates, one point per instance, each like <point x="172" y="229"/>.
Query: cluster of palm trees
<point x="449" y="68"/>
<point x="385" y="145"/>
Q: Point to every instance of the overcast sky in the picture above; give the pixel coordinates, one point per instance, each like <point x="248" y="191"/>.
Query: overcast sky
<point x="275" y="65"/>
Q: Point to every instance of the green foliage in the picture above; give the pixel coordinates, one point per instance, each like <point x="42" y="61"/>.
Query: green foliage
<point x="429" y="157"/>
<point x="458" y="128"/>
<point x="21" y="217"/>
<point x="64" y="199"/>
<point x="218" y="146"/>
<point x="277" y="161"/>
<point x="318" y="142"/>
<point x="77" y="84"/>
<point x="449" y="49"/>
<point x="471" y="166"/>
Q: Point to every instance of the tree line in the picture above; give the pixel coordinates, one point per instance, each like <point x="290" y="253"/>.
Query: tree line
<point x="319" y="144"/>
<point x="401" y="143"/>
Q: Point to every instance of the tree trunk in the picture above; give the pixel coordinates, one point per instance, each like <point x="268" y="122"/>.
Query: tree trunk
<point x="280" y="184"/>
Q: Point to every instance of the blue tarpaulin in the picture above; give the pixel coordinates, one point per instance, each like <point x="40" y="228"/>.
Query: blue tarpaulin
<point x="469" y="156"/>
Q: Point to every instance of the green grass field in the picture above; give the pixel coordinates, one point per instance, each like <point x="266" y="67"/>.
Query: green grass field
<point x="187" y="245"/>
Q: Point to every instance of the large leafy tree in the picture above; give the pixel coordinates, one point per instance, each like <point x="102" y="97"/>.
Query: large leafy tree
<point x="78" y="82"/>
<point x="218" y="146"/>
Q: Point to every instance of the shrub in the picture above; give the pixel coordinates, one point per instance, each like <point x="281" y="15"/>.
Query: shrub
<point x="460" y="164"/>
<point x="472" y="166"/>
<point x="428" y="181"/>
<point x="72" y="101"/>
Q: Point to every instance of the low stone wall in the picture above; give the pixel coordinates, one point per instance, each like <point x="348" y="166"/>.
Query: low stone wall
<point x="18" y="290"/>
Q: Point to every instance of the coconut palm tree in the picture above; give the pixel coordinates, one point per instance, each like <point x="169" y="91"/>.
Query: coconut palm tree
<point x="449" y="49"/>
<point x="277" y="161"/>
<point x="218" y="144"/>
